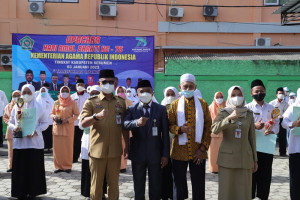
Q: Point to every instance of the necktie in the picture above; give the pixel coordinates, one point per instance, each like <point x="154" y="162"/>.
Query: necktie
<point x="55" y="88"/>
<point x="146" y="114"/>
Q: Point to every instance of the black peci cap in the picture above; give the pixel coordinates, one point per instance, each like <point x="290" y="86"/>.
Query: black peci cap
<point x="106" y="73"/>
<point x="144" y="83"/>
<point x="42" y="72"/>
<point x="29" y="71"/>
<point x="257" y="82"/>
<point x="80" y="81"/>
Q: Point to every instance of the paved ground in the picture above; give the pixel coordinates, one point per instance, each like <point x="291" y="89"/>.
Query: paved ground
<point x="67" y="186"/>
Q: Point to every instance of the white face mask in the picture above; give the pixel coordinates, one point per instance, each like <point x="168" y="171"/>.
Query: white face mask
<point x="237" y="101"/>
<point x="64" y="95"/>
<point x="280" y="96"/>
<point x="128" y="94"/>
<point x="170" y="99"/>
<point x="27" y="98"/>
<point x="80" y="88"/>
<point x="145" y="97"/>
<point x="15" y="99"/>
<point x="292" y="100"/>
<point x="107" y="88"/>
<point x="219" y="100"/>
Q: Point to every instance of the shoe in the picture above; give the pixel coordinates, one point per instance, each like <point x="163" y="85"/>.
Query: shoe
<point x="283" y="155"/>
<point x="103" y="197"/>
<point x="75" y="161"/>
<point x="9" y="170"/>
<point x="1" y="145"/>
<point x="68" y="171"/>
<point x="123" y="171"/>
<point x="58" y="171"/>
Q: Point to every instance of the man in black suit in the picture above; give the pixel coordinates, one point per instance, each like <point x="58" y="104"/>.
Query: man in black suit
<point x="66" y="80"/>
<point x="29" y="80"/>
<point x="150" y="143"/>
<point x="42" y="79"/>
<point x="54" y="85"/>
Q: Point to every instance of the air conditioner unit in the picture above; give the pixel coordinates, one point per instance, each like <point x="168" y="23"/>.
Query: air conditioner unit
<point x="176" y="12"/>
<point x="108" y="10"/>
<point x="210" y="11"/>
<point x="262" y="42"/>
<point x="6" y="59"/>
<point x="36" y="7"/>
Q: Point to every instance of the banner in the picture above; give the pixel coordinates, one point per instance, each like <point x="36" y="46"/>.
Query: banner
<point x="69" y="57"/>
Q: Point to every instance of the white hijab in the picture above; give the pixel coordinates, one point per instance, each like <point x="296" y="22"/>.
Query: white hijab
<point x="297" y="102"/>
<point x="164" y="101"/>
<point x="33" y="102"/>
<point x="48" y="99"/>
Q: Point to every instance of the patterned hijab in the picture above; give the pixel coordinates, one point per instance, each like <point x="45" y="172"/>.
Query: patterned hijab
<point x="65" y="102"/>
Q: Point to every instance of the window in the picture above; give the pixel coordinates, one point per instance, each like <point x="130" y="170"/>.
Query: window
<point x="271" y="2"/>
<point x="57" y="1"/>
<point x="119" y="1"/>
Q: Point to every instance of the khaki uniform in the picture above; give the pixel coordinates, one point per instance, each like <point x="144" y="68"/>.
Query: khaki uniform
<point x="105" y="144"/>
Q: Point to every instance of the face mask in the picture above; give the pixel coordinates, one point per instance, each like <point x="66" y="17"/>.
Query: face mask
<point x="237" y="101"/>
<point x="27" y="98"/>
<point x="219" y="100"/>
<point x="292" y="100"/>
<point x="44" y="94"/>
<point x="259" y="96"/>
<point x="128" y="94"/>
<point x="280" y="96"/>
<point x="15" y="99"/>
<point x="107" y="88"/>
<point x="145" y="97"/>
<point x="80" y="88"/>
<point x="187" y="93"/>
<point x="121" y="95"/>
<point x="170" y="99"/>
<point x="64" y="95"/>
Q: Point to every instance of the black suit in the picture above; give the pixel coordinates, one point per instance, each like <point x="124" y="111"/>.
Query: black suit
<point x="41" y="85"/>
<point x="35" y="84"/>
<point x="147" y="150"/>
<point x="72" y="87"/>
<point x="51" y="88"/>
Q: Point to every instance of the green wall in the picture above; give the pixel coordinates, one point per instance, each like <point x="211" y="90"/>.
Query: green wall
<point x="220" y="75"/>
<point x="5" y="85"/>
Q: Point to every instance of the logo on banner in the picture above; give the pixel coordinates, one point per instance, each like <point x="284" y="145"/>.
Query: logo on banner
<point x="141" y="46"/>
<point x="26" y="43"/>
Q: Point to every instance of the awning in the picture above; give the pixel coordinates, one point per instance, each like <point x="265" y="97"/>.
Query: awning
<point x="290" y="12"/>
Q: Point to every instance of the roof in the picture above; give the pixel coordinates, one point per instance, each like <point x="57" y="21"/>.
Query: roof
<point x="244" y="56"/>
<point x="291" y="6"/>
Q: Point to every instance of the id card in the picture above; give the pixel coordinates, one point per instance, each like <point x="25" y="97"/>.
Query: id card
<point x="154" y="131"/>
<point x="118" y="119"/>
<point x="238" y="133"/>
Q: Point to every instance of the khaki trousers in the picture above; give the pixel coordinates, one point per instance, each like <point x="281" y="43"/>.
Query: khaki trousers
<point x="109" y="167"/>
<point x="10" y="152"/>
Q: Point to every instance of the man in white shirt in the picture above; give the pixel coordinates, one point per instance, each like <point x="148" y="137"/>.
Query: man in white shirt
<point x="293" y="123"/>
<point x="80" y="97"/>
<point x="3" y="103"/>
<point x="265" y="140"/>
<point x="286" y="94"/>
<point x="282" y="106"/>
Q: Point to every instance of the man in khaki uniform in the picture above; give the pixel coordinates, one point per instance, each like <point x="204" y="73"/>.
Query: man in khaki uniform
<point x="105" y="113"/>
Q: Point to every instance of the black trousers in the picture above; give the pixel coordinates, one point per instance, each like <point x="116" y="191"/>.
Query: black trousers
<point x="167" y="182"/>
<point x="139" y="180"/>
<point x="1" y="131"/>
<point x="261" y="179"/>
<point x="294" y="165"/>
<point x="197" y="177"/>
<point x="77" y="143"/>
<point x="48" y="138"/>
<point x="282" y="139"/>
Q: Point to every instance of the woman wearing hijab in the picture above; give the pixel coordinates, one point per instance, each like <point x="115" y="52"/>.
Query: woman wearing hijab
<point x="237" y="155"/>
<point x="170" y="94"/>
<point x="216" y="139"/>
<point x="9" y="135"/>
<point x="291" y="120"/>
<point x="64" y="113"/>
<point x="131" y="95"/>
<point x="120" y="91"/>
<point x="28" y="174"/>
<point x="47" y="102"/>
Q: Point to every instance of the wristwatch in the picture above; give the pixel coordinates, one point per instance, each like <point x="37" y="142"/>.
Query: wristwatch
<point x="95" y="117"/>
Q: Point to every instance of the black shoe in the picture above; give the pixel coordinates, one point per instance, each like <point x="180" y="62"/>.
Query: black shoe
<point x="1" y="145"/>
<point x="123" y="171"/>
<point x="103" y="197"/>
<point x="9" y="170"/>
<point x="68" y="171"/>
<point x="58" y="171"/>
<point x="75" y="161"/>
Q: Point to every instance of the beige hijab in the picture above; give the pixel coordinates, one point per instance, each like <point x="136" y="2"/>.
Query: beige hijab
<point x="241" y="109"/>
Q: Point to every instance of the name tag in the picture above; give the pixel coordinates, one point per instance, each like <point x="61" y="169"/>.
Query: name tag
<point x="118" y="119"/>
<point x="256" y="113"/>
<point x="238" y="133"/>
<point x="154" y="131"/>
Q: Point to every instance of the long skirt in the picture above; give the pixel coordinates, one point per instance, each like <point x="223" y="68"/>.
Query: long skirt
<point x="235" y="184"/>
<point x="213" y="152"/>
<point x="28" y="173"/>
<point x="47" y="135"/>
<point x="63" y="151"/>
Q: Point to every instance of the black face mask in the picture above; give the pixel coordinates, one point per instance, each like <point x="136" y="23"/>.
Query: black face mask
<point x="259" y="96"/>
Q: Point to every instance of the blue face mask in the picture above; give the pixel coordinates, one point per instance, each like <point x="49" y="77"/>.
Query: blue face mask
<point x="187" y="93"/>
<point x="44" y="94"/>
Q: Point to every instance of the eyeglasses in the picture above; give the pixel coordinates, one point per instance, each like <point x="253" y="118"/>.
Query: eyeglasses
<point x="110" y="82"/>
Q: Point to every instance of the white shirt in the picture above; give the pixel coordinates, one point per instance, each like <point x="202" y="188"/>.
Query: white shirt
<point x="80" y="100"/>
<point x="149" y="109"/>
<point x="294" y="140"/>
<point x="3" y="102"/>
<point x="85" y="142"/>
<point x="282" y="106"/>
<point x="263" y="112"/>
<point x="37" y="141"/>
